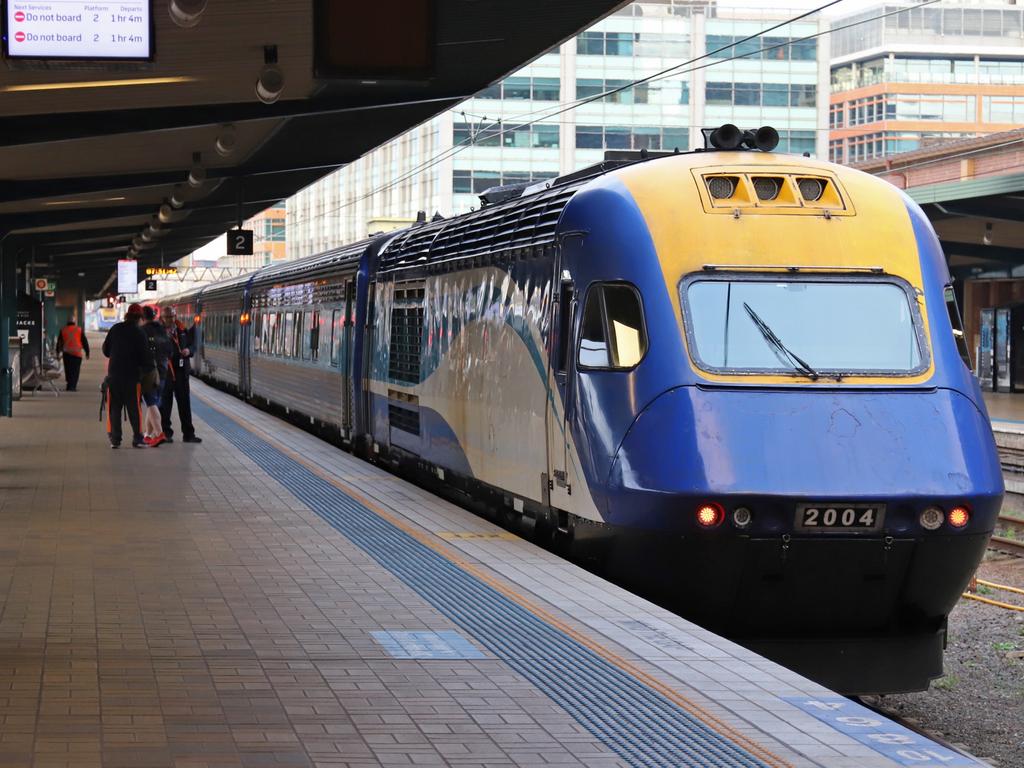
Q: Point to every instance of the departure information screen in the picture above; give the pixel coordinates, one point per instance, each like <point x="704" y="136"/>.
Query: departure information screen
<point x="72" y="29"/>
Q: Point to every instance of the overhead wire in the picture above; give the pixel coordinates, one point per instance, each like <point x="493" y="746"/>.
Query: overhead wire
<point x="660" y="75"/>
<point x="567" y="106"/>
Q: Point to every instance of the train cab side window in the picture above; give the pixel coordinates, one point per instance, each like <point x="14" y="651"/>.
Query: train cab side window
<point x="612" y="334"/>
<point x="958" y="326"/>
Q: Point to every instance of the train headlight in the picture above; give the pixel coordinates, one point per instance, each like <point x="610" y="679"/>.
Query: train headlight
<point x="722" y="187"/>
<point x="959" y="517"/>
<point x="931" y="518"/>
<point x="766" y="187"/>
<point x="742" y="517"/>
<point x="811" y="189"/>
<point x="710" y="515"/>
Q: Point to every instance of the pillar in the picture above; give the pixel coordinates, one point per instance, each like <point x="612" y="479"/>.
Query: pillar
<point x="8" y="317"/>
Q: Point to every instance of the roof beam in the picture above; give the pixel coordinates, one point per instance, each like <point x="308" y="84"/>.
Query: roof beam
<point x="995" y="253"/>
<point x="21" y="130"/>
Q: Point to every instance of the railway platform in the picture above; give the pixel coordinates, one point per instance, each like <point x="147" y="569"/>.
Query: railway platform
<point x="265" y="599"/>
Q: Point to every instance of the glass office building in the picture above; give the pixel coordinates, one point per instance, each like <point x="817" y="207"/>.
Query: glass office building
<point x="520" y="129"/>
<point x="924" y="75"/>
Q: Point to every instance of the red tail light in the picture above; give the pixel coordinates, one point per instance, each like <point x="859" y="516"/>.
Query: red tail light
<point x="959" y="517"/>
<point x="710" y="514"/>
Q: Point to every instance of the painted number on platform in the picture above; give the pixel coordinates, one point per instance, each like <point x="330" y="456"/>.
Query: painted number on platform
<point x="899" y="744"/>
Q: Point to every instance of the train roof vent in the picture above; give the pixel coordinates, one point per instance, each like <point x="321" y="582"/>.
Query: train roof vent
<point x="496" y="195"/>
<point x="776" y="189"/>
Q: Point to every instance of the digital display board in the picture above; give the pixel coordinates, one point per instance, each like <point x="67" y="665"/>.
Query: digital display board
<point x="73" y="29"/>
<point x="127" y="276"/>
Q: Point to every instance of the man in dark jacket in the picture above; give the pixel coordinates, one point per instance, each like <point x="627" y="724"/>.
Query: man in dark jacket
<point x="183" y="341"/>
<point x="128" y="349"/>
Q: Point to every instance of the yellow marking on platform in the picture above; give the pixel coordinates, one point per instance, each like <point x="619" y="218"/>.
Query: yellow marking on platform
<point x="463" y="535"/>
<point x="430" y="540"/>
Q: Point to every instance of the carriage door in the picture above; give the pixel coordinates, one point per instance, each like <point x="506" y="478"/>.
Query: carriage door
<point x="346" y="330"/>
<point x="559" y="479"/>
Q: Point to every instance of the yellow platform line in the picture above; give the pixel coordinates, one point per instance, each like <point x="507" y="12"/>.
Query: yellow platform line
<point x="430" y="540"/>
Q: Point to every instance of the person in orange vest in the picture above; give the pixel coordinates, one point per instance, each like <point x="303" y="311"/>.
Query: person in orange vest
<point x="71" y="341"/>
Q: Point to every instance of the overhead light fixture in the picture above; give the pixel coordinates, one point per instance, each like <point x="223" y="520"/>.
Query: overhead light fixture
<point x="146" y="236"/>
<point x="186" y="13"/>
<point x="226" y="141"/>
<point x="197" y="174"/>
<point x="987" y="237"/>
<point x="164" y="216"/>
<point x="270" y="84"/>
<point x="271" y="79"/>
<point x="177" y="198"/>
<point x="96" y="84"/>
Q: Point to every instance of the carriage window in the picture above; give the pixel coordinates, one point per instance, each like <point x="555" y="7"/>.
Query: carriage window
<point x="804" y="326"/>
<point x="612" y="334"/>
<point x="314" y="337"/>
<point x="257" y="329"/>
<point x="289" y="334"/>
<point x="307" y="334"/>
<point x="958" y="326"/>
<point x="336" y="330"/>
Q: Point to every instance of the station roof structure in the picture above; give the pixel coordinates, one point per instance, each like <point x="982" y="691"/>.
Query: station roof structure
<point x="973" y="192"/>
<point x="89" y="152"/>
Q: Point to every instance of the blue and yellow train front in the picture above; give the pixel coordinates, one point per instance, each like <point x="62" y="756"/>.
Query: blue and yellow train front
<point x="801" y="441"/>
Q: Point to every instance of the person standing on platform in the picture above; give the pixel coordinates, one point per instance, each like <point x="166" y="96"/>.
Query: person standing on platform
<point x="177" y="386"/>
<point x="72" y="344"/>
<point x="130" y="359"/>
<point x="161" y="348"/>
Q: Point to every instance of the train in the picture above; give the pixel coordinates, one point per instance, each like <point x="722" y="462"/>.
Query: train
<point x="734" y="379"/>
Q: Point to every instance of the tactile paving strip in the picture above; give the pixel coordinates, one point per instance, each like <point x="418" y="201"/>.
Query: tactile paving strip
<point x="640" y="724"/>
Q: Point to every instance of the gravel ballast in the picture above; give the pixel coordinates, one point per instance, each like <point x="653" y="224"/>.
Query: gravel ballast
<point x="979" y="702"/>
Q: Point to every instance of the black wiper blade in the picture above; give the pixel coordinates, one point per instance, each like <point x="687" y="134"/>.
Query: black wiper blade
<point x="775" y="342"/>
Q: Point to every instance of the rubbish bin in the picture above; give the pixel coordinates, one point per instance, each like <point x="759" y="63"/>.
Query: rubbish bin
<point x="14" y="363"/>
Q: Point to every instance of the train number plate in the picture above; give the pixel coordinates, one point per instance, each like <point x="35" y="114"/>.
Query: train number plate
<point x="839" y="517"/>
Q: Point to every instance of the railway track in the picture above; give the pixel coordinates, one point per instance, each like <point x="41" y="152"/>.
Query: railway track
<point x="1012" y="544"/>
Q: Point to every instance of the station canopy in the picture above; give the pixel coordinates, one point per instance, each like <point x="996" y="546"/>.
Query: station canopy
<point x="164" y="149"/>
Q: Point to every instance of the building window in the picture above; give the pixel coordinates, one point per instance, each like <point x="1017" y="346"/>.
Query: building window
<point x="635" y="137"/>
<point x="761" y="94"/>
<point x="523" y="88"/>
<point x="587" y="88"/>
<point x="797" y="142"/>
<point x="767" y="48"/>
<point x="478" y="182"/>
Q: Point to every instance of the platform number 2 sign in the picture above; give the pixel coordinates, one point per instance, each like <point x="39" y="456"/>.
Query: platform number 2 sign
<point x="240" y="242"/>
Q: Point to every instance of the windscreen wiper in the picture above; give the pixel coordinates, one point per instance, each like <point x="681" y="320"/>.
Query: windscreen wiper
<point x="776" y="344"/>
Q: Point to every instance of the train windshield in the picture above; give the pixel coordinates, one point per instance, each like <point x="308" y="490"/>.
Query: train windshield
<point x="808" y="327"/>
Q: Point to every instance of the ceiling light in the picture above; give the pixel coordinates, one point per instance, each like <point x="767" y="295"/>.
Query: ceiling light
<point x="95" y="84"/>
<point x="196" y="176"/>
<point x="146" y="236"/>
<point x="166" y="212"/>
<point x="186" y="13"/>
<point x="987" y="237"/>
<point x="177" y="198"/>
<point x="226" y="141"/>
<point x="270" y="83"/>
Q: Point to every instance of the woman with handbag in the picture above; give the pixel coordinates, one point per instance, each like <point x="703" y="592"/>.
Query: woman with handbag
<point x="154" y="382"/>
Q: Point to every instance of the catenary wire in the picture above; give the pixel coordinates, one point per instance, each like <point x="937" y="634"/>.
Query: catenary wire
<point x="514" y="124"/>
